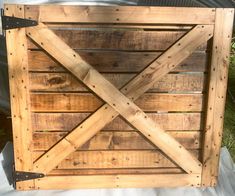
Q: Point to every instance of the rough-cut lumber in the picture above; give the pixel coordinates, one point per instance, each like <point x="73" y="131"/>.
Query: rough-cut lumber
<point x="114" y="140"/>
<point x="199" y="33"/>
<point x="117" y="39"/>
<point x="114" y="61"/>
<point x="68" y="121"/>
<point x="115" y="159"/>
<point x="125" y="14"/>
<point x="65" y="82"/>
<point x="164" y="170"/>
<point x="217" y="95"/>
<point x="118" y="181"/>
<point x="20" y="107"/>
<point x="60" y="26"/>
<point x="87" y="102"/>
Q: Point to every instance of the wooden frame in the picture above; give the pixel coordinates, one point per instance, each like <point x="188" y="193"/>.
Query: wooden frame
<point x="200" y="26"/>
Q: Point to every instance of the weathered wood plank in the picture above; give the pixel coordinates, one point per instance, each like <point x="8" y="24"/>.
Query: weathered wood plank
<point x="68" y="121"/>
<point x="110" y="61"/>
<point x="116" y="39"/>
<point x="87" y="102"/>
<point x="198" y="34"/>
<point x="166" y="170"/>
<point x="119" y="26"/>
<point x="64" y="82"/>
<point x="124" y="14"/>
<point x="19" y="95"/>
<point x="115" y="159"/>
<point x="114" y="140"/>
<point x="217" y="95"/>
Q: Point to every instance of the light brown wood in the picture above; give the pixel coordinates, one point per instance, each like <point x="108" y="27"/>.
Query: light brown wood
<point x="18" y="80"/>
<point x="66" y="141"/>
<point x="118" y="181"/>
<point x="115" y="159"/>
<point x="114" y="61"/>
<point x="68" y="121"/>
<point x="87" y="102"/>
<point x="65" y="82"/>
<point x="114" y="140"/>
<point x="124" y="14"/>
<point x="217" y="95"/>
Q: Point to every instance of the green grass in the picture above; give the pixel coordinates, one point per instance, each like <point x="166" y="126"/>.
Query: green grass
<point x="229" y="117"/>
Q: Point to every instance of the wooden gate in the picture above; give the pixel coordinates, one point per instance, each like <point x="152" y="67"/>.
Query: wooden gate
<point x="118" y="96"/>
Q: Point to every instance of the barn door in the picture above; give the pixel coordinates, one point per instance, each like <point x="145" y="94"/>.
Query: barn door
<point x="115" y="100"/>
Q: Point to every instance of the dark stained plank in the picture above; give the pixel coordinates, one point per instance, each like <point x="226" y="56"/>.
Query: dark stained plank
<point x="109" y="61"/>
<point x="67" y="121"/>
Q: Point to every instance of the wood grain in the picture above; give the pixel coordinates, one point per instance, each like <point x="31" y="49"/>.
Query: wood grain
<point x="66" y="82"/>
<point x="116" y="61"/>
<point x="195" y="34"/>
<point x="19" y="95"/>
<point x="151" y="47"/>
<point x="87" y="102"/>
<point x="117" y="39"/>
<point x="88" y="172"/>
<point x="124" y="14"/>
<point x="118" y="26"/>
<point x="118" y="181"/>
<point x="115" y="159"/>
<point x="68" y="121"/>
<point x="114" y="140"/>
<point x="217" y="95"/>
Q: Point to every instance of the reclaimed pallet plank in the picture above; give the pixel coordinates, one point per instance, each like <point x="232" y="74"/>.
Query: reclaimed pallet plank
<point x="195" y="33"/>
<point x="65" y="82"/>
<point x="112" y="62"/>
<point x="68" y="121"/>
<point x="87" y="102"/>
<point x="114" y="140"/>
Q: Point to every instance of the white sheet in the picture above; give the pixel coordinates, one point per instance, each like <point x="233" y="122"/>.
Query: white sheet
<point x="226" y="185"/>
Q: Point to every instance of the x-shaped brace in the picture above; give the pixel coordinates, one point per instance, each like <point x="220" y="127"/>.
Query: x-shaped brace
<point x="118" y="102"/>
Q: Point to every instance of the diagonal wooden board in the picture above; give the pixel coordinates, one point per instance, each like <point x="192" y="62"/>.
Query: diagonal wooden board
<point x="117" y="100"/>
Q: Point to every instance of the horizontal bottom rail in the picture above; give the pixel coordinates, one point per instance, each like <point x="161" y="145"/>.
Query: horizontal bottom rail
<point x="118" y="181"/>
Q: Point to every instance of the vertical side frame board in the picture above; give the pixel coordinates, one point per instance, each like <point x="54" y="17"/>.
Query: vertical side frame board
<point x="19" y="91"/>
<point x="216" y="95"/>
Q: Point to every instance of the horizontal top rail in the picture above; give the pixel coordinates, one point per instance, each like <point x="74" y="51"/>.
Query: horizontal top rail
<point x="118" y="14"/>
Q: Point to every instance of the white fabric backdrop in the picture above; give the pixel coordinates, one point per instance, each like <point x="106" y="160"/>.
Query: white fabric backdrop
<point x="226" y="186"/>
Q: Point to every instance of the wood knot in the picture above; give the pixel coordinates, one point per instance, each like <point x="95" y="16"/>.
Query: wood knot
<point x="56" y="80"/>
